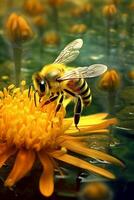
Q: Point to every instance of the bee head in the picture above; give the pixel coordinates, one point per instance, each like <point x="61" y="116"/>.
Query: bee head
<point x="39" y="83"/>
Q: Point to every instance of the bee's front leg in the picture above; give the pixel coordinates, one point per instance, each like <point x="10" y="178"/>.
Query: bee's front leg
<point x="29" y="91"/>
<point x="35" y="101"/>
<point x="51" y="99"/>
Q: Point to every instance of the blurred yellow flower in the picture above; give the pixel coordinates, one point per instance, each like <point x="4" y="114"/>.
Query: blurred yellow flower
<point x="28" y="131"/>
<point x="116" y="2"/>
<point x="51" y="38"/>
<point x="56" y="2"/>
<point x="109" y="10"/>
<point x="40" y="21"/>
<point x="131" y="74"/>
<point x="131" y="6"/>
<point x="18" y="29"/>
<point x="110" y="81"/>
<point x="85" y="8"/>
<point x="96" y="191"/>
<point x="34" y="7"/>
<point x="78" y="28"/>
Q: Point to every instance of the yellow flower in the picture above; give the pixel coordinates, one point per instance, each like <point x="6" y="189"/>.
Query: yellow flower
<point x="110" y="81"/>
<point x="56" y="2"/>
<point x="96" y="191"/>
<point x="116" y="2"/>
<point x="40" y="21"/>
<point x="34" y="7"/>
<point x="31" y="132"/>
<point x="109" y="10"/>
<point x="51" y="38"/>
<point x="78" y="28"/>
<point x="131" y="6"/>
<point x="131" y="74"/>
<point x="18" y="29"/>
<point x="85" y="8"/>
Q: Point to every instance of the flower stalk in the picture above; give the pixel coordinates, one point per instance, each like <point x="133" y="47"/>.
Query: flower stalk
<point x="17" y="57"/>
<point x="18" y="31"/>
<point x="55" y="4"/>
<point x="109" y="11"/>
<point x="110" y="82"/>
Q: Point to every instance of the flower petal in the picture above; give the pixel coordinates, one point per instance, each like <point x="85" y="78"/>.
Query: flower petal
<point x="91" y="119"/>
<point x="86" y="128"/>
<point x="22" y="166"/>
<point x="46" y="183"/>
<point x="67" y="124"/>
<point x="79" y="148"/>
<point x="83" y="164"/>
<point x="75" y="132"/>
<point x="5" y="153"/>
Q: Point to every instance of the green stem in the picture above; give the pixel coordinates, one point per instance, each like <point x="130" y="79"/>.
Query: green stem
<point x="56" y="17"/>
<point x="111" y="102"/>
<point x="108" y="37"/>
<point x="17" y="57"/>
<point x="40" y="41"/>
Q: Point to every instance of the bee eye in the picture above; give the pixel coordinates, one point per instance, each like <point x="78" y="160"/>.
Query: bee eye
<point x="42" y="86"/>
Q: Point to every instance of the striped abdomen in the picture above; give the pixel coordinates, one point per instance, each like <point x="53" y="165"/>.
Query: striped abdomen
<point x="80" y="87"/>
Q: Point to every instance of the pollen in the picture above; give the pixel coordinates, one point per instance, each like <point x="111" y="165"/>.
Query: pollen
<point x="21" y="122"/>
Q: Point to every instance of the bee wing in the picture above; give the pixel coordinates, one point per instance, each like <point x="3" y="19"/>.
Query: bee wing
<point x="70" y="52"/>
<point x="84" y="72"/>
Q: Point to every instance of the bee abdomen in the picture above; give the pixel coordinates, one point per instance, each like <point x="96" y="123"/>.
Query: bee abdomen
<point x="84" y="92"/>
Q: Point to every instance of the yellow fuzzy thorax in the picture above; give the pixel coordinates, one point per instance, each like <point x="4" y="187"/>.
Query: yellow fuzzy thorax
<point x="52" y="67"/>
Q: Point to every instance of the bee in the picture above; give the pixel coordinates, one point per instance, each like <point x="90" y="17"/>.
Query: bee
<point x="57" y="82"/>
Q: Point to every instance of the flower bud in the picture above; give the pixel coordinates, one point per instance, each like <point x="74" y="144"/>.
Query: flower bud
<point x="81" y="9"/>
<point x="96" y="191"/>
<point x="109" y="10"/>
<point x="33" y="7"/>
<point x="51" y="38"/>
<point x="18" y="29"/>
<point x="40" y="21"/>
<point x="131" y="74"/>
<point x="78" y="28"/>
<point x="110" y="81"/>
<point x="131" y="6"/>
<point x="56" y="2"/>
<point x="87" y="7"/>
<point x="116" y="2"/>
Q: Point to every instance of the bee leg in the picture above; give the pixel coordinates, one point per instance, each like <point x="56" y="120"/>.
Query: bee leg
<point x="35" y="101"/>
<point x="29" y="91"/>
<point x="77" y="109"/>
<point x="52" y="94"/>
<point x="60" y="103"/>
<point x="51" y="99"/>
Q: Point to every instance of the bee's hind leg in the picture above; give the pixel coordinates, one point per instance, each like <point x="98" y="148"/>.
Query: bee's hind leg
<point x="78" y="107"/>
<point x="77" y="111"/>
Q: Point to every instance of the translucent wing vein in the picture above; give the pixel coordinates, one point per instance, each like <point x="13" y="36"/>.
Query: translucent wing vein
<point x="70" y="52"/>
<point x="84" y="72"/>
